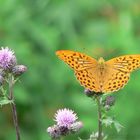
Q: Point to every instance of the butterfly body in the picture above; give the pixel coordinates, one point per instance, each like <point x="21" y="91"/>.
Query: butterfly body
<point x="100" y="76"/>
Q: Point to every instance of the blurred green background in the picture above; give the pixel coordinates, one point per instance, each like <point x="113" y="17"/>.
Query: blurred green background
<point x="35" y="29"/>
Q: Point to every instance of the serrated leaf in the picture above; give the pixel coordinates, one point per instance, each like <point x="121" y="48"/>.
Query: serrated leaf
<point x="108" y="121"/>
<point x="4" y="101"/>
<point x="94" y="136"/>
<point x="118" y="126"/>
<point x="3" y="91"/>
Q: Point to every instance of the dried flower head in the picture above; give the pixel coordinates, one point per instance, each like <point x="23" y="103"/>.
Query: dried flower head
<point x="7" y="58"/>
<point x="65" y="117"/>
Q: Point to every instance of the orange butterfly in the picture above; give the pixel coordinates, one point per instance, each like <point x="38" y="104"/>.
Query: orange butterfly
<point x="100" y="76"/>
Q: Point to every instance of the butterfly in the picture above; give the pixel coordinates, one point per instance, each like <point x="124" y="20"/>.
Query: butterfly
<point x="99" y="75"/>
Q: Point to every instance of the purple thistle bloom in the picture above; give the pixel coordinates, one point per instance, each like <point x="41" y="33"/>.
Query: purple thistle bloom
<point x="7" y="58"/>
<point x="65" y="117"/>
<point x="67" y="124"/>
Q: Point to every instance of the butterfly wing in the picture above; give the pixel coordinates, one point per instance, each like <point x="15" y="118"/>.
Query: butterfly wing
<point x="114" y="80"/>
<point x="126" y="63"/>
<point x="118" y="71"/>
<point x="77" y="61"/>
<point x="88" y="78"/>
<point x="84" y="67"/>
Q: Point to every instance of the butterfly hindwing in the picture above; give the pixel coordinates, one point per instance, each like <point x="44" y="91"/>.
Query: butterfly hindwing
<point x="88" y="80"/>
<point x="115" y="80"/>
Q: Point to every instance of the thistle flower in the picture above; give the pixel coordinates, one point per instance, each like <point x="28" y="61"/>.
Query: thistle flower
<point x="65" y="117"/>
<point x="66" y="124"/>
<point x="7" y="58"/>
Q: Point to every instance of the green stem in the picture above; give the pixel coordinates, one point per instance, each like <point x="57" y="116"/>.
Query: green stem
<point x="99" y="118"/>
<point x="14" y="112"/>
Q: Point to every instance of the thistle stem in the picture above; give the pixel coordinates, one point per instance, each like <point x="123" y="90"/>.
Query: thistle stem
<point x="14" y="112"/>
<point x="99" y="118"/>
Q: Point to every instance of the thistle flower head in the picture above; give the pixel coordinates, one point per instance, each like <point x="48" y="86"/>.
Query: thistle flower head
<point x="7" y="58"/>
<point x="65" y="117"/>
<point x="66" y="123"/>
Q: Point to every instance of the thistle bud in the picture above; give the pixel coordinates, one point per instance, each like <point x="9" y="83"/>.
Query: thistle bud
<point x="1" y="80"/>
<point x="89" y="93"/>
<point x="54" y="132"/>
<point x="63" y="130"/>
<point x="75" y="127"/>
<point x="19" y="70"/>
<point x="108" y="102"/>
<point x="2" y="72"/>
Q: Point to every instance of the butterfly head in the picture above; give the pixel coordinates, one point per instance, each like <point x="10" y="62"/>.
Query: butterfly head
<point x="101" y="61"/>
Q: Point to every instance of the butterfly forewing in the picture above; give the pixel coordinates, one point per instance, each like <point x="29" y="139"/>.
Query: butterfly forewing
<point x="76" y="60"/>
<point x="126" y="63"/>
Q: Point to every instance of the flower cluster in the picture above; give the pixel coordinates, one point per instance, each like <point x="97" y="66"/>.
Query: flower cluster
<point x="66" y="123"/>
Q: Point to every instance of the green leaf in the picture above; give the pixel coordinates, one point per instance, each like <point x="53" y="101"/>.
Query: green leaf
<point x="4" y="101"/>
<point x="118" y="126"/>
<point x="3" y="91"/>
<point x="108" y="121"/>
